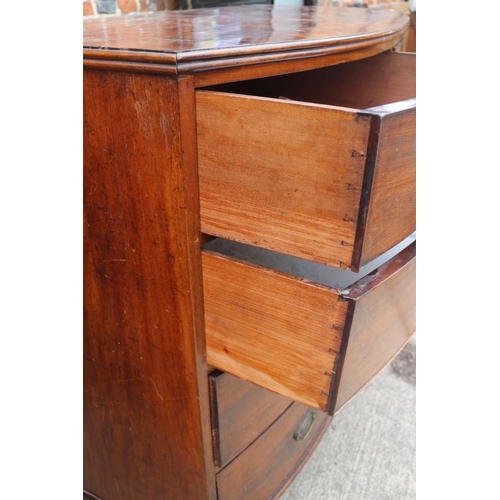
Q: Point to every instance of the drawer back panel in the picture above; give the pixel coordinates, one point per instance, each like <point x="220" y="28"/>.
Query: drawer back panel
<point x="366" y="83"/>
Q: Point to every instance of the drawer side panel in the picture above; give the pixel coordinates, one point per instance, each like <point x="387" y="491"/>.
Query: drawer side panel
<point x="280" y="174"/>
<point x="279" y="332"/>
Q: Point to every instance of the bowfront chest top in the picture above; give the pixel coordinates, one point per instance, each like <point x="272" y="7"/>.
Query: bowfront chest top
<point x="249" y="219"/>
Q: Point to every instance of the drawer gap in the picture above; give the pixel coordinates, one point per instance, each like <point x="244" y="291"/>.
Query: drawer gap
<point x="319" y="273"/>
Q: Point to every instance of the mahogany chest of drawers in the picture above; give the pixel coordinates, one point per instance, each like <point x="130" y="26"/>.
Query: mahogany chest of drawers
<point x="249" y="231"/>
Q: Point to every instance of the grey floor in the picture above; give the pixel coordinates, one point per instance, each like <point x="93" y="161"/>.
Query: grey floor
<point x="368" y="453"/>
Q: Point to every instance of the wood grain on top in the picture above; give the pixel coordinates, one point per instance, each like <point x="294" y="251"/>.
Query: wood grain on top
<point x="173" y="38"/>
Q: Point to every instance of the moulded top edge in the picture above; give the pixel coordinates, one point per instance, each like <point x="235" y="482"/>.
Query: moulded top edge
<point x="172" y="37"/>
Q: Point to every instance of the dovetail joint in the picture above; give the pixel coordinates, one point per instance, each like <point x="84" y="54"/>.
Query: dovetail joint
<point x="357" y="154"/>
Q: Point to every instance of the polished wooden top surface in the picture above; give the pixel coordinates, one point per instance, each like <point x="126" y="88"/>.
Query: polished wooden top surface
<point x="173" y="37"/>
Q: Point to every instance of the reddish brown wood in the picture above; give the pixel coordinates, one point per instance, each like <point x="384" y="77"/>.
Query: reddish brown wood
<point x="272" y="329"/>
<point x="383" y="320"/>
<point x="147" y="431"/>
<point x="257" y="474"/>
<point x="241" y="413"/>
<point x="391" y="207"/>
<point x="146" y="417"/>
<point x="332" y="179"/>
<point x="284" y="190"/>
<point x="285" y="333"/>
<point x="178" y="41"/>
<point x="302" y="60"/>
<point x="391" y="78"/>
<point x="89" y="496"/>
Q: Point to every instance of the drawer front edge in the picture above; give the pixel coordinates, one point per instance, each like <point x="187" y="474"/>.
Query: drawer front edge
<point x="388" y="207"/>
<point x="379" y="324"/>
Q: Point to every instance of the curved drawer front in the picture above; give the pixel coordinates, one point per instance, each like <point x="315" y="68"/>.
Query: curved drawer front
<point x="263" y="468"/>
<point x="241" y="412"/>
<point x="292" y="335"/>
<point x="319" y="165"/>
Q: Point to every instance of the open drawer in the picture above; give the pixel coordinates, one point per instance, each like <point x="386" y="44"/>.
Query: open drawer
<point x="319" y="165"/>
<point x="317" y="340"/>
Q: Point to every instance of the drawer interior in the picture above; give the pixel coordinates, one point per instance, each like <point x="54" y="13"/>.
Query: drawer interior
<point x="373" y="82"/>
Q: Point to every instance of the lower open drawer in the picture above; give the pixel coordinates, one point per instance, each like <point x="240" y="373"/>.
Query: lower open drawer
<point x="317" y="340"/>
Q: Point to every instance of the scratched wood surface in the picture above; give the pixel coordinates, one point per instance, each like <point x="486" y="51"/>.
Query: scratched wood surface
<point x="304" y="185"/>
<point x="146" y="414"/>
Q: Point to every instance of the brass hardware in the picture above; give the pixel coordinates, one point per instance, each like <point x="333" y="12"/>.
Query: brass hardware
<point x="305" y="426"/>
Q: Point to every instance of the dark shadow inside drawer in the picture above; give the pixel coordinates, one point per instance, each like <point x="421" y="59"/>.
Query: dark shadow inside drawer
<point x="285" y="324"/>
<point x="382" y="80"/>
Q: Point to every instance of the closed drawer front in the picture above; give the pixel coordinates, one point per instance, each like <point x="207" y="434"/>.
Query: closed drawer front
<point x="307" y="340"/>
<point x="241" y="412"/>
<point x="263" y="468"/>
<point x="319" y="165"/>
